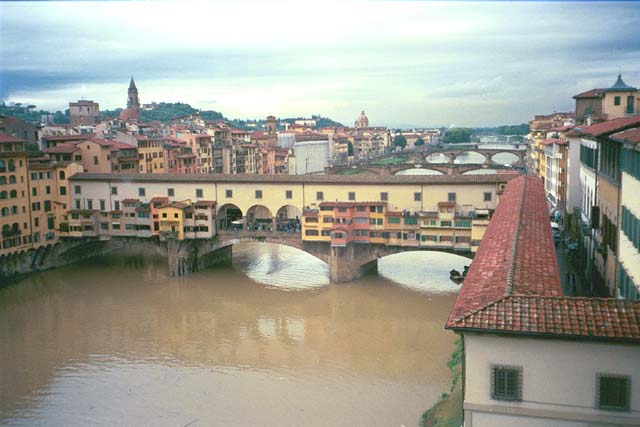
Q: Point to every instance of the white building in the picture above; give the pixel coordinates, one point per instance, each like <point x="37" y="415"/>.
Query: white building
<point x="312" y="156"/>
<point x="533" y="357"/>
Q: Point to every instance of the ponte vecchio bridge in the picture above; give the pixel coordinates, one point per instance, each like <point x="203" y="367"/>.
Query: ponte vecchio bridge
<point x="384" y="214"/>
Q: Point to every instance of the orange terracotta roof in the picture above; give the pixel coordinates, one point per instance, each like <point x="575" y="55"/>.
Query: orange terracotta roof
<point x="513" y="284"/>
<point x="593" y="93"/>
<point x="631" y="135"/>
<point x="609" y="127"/>
<point x="9" y="138"/>
<point x="62" y="148"/>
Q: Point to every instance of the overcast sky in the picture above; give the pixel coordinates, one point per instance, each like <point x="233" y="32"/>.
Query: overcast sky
<point x="404" y="63"/>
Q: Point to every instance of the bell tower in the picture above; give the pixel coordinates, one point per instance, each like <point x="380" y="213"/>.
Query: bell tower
<point x="133" y="101"/>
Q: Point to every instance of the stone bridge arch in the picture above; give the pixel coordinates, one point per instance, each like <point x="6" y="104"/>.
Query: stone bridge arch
<point x="187" y="256"/>
<point x="353" y="261"/>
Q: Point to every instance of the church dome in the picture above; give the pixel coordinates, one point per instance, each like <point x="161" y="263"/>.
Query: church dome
<point x="362" y="121"/>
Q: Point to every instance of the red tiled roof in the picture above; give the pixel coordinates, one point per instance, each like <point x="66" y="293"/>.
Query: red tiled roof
<point x="513" y="284"/>
<point x="62" y="148"/>
<point x="593" y="93"/>
<point x="631" y="135"/>
<point x="8" y="138"/>
<point x="610" y="126"/>
<point x="131" y="201"/>
<point x="159" y="199"/>
<point x="119" y="145"/>
<point x="68" y="137"/>
<point x="562" y="128"/>
<point x="604" y="318"/>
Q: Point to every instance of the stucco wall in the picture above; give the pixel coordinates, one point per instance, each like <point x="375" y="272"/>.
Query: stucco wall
<point x="558" y="376"/>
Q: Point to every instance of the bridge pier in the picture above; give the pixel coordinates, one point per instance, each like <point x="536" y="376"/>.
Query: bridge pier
<point x="353" y="261"/>
<point x="191" y="255"/>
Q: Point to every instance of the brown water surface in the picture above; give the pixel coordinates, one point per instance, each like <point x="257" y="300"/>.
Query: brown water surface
<point x="268" y="342"/>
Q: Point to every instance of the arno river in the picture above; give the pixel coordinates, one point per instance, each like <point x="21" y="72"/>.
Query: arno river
<point x="269" y="342"/>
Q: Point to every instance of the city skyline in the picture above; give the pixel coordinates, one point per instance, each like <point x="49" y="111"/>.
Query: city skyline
<point x="405" y="63"/>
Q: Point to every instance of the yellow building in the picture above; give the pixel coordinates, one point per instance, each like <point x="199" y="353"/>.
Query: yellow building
<point x="14" y="196"/>
<point x="172" y="218"/>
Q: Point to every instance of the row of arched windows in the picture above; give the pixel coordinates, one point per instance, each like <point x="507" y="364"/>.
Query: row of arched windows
<point x="5" y="181"/>
<point x="13" y="194"/>
<point x="10" y="165"/>
<point x="7" y="211"/>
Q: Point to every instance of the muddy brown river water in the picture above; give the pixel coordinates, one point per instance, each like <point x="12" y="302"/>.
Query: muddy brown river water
<point x="268" y="342"/>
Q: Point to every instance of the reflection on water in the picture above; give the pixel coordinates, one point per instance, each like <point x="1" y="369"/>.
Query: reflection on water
<point x="280" y="266"/>
<point x="437" y="158"/>
<point x="469" y="157"/>
<point x="419" y="171"/>
<point x="504" y="158"/>
<point x="117" y="342"/>
<point x="426" y="272"/>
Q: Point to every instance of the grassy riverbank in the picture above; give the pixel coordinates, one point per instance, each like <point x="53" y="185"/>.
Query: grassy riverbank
<point x="448" y="411"/>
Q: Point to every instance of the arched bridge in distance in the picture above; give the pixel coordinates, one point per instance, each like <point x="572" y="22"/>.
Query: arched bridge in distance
<point x="444" y="164"/>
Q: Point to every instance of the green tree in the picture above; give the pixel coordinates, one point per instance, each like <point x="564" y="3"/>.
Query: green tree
<point x="400" y="141"/>
<point x="457" y="135"/>
<point x="419" y="142"/>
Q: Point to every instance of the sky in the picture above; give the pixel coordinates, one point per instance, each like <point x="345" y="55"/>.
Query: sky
<point x="407" y="64"/>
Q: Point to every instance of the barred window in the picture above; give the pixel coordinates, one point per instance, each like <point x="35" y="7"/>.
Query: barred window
<point x="506" y="383"/>
<point x="613" y="392"/>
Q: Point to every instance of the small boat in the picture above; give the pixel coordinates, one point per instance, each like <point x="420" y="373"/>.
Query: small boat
<point x="455" y="276"/>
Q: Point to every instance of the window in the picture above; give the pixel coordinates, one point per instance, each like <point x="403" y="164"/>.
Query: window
<point x="199" y="193"/>
<point x="63" y="190"/>
<point x="141" y="191"/>
<point x="446" y="223"/>
<point x="394" y="220"/>
<point x="361" y="209"/>
<point x="95" y="160"/>
<point x="311" y="219"/>
<point x="417" y="197"/>
<point x="384" y="196"/>
<point x="114" y="191"/>
<point x="411" y="220"/>
<point x="506" y="383"/>
<point x="487" y="196"/>
<point x="319" y="195"/>
<point x="89" y="204"/>
<point x="170" y="192"/>
<point x="102" y="204"/>
<point x="76" y="189"/>
<point x="258" y="194"/>
<point x="616" y="100"/>
<point x="288" y="194"/>
<point x="36" y="222"/>
<point x="116" y="205"/>
<point x="164" y="215"/>
<point x="311" y="232"/>
<point x="47" y="189"/>
<point x="78" y="204"/>
<point x="47" y="205"/>
<point x="630" y="104"/>
<point x="613" y="392"/>
<point x="451" y="197"/>
<point x="34" y="191"/>
<point x="228" y="194"/>
<point x="352" y="195"/>
<point x="61" y="175"/>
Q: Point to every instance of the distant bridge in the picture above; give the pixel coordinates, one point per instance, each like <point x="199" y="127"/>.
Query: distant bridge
<point x="442" y="168"/>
